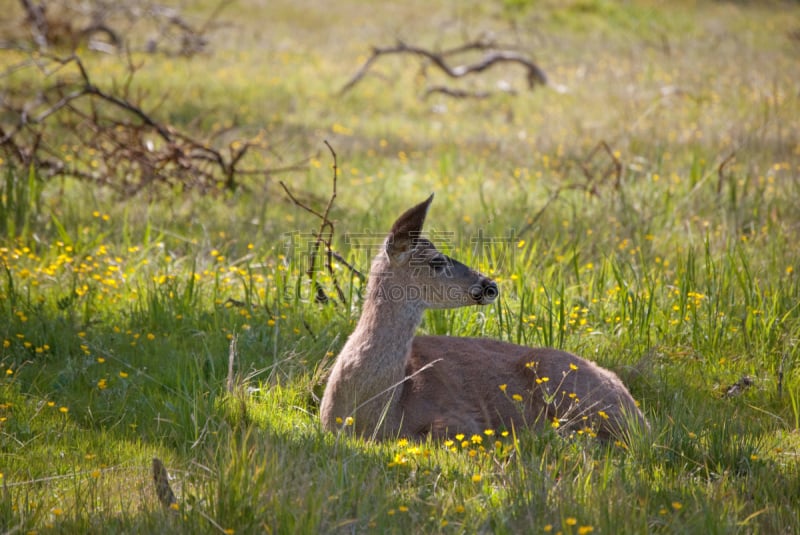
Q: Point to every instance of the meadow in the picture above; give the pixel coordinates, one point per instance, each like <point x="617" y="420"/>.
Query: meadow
<point x="640" y="210"/>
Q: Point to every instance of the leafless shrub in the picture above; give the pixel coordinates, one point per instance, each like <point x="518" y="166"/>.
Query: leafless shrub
<point x="323" y="239"/>
<point x="110" y="26"/>
<point x="69" y="126"/>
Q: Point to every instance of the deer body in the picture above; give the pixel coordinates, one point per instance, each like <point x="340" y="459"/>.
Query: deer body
<point x="392" y="383"/>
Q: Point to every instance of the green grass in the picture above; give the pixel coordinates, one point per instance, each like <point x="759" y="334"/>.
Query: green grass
<point x="118" y="319"/>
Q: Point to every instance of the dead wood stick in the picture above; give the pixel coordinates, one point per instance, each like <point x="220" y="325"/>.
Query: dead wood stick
<point x="534" y="76"/>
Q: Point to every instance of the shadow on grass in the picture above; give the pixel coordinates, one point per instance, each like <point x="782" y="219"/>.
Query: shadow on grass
<point x="85" y="410"/>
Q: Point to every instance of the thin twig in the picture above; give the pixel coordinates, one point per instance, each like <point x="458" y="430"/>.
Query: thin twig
<point x="457" y="93"/>
<point x="324" y="237"/>
<point x="721" y="170"/>
<point x="299" y="203"/>
<point x="589" y="185"/>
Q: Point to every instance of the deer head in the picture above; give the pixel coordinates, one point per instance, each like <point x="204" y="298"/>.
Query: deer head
<point x="410" y="269"/>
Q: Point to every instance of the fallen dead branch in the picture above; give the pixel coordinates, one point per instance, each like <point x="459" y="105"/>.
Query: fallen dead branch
<point x="461" y="93"/>
<point x="493" y="56"/>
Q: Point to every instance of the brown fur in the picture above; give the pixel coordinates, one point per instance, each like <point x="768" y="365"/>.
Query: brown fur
<point x="451" y="397"/>
<point x="394" y="384"/>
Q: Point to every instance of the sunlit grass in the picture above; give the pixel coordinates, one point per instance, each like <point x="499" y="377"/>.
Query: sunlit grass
<point x="123" y="324"/>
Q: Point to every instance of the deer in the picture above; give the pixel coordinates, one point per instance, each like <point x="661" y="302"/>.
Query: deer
<point x="386" y="382"/>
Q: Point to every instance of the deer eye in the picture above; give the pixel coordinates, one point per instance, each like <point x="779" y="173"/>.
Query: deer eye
<point x="438" y="264"/>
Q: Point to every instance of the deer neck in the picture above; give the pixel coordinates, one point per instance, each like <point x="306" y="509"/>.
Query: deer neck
<point x="385" y="330"/>
<point x="373" y="361"/>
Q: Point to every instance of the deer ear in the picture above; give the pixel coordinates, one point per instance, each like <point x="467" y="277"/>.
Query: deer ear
<point x="407" y="228"/>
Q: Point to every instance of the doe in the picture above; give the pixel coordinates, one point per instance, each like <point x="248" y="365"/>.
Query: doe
<point x="387" y="382"/>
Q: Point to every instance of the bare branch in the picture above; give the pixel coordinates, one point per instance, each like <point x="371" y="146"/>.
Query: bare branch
<point x="721" y="170"/>
<point x="534" y="75"/>
<point x="110" y="26"/>
<point x="589" y="185"/>
<point x="37" y="22"/>
<point x="324" y="238"/>
<point x="299" y="203"/>
<point x="460" y="93"/>
<point x="122" y="146"/>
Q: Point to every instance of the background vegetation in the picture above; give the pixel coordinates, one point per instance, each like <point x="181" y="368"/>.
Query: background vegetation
<point x="671" y="258"/>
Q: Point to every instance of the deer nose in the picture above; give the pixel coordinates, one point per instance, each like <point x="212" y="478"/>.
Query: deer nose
<point x="484" y="292"/>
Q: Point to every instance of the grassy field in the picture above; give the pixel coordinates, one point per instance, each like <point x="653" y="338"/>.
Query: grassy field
<point x="680" y="271"/>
